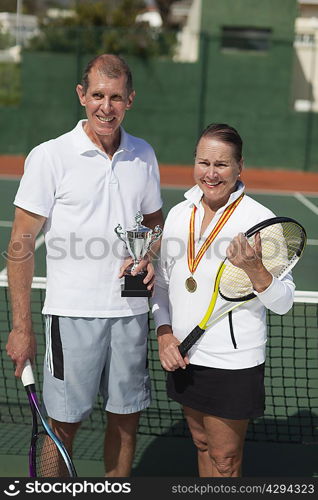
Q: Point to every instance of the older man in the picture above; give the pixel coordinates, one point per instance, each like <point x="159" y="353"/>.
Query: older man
<point x="77" y="188"/>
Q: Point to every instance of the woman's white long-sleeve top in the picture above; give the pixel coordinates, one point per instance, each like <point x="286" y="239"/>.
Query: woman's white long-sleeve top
<point x="238" y="339"/>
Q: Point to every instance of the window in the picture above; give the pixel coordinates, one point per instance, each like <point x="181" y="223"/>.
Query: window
<point x="305" y="38"/>
<point x="240" y="38"/>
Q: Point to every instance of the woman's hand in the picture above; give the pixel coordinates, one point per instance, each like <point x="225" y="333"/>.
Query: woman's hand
<point x="170" y="357"/>
<point x="241" y="254"/>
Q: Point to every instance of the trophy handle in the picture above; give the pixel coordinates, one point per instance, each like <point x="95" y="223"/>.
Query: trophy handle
<point x="157" y="232"/>
<point x="120" y="233"/>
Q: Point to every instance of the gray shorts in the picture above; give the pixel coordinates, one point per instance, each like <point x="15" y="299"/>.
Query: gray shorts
<point x="85" y="356"/>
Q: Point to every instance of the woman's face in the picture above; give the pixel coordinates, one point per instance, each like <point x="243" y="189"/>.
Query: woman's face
<point x="216" y="171"/>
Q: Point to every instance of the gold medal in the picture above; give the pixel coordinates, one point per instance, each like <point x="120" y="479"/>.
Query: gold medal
<point x="191" y="284"/>
<point x="193" y="260"/>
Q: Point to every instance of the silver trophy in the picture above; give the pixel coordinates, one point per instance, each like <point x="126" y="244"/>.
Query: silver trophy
<point x="138" y="241"/>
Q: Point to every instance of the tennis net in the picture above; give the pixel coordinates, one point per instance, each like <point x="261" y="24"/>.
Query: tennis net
<point x="291" y="377"/>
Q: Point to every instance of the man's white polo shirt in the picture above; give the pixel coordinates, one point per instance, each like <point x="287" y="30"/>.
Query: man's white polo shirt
<point x="84" y="195"/>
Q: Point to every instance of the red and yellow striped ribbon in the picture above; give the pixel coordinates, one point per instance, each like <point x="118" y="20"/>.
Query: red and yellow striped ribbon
<point x="193" y="261"/>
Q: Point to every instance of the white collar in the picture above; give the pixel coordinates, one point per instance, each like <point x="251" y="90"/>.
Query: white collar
<point x="85" y="144"/>
<point x="194" y="195"/>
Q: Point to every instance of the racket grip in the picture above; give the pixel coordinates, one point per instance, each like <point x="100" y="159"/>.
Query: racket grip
<point x="27" y="376"/>
<point x="190" y="340"/>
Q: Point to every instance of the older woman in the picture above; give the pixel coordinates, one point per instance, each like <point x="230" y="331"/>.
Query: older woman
<point x="220" y="383"/>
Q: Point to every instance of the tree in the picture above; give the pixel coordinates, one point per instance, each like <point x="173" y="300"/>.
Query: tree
<point x="164" y="7"/>
<point x="104" y="26"/>
<point x="6" y="40"/>
<point x="29" y="6"/>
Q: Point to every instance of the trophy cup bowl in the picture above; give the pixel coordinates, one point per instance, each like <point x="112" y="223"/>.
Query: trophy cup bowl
<point x="138" y="241"/>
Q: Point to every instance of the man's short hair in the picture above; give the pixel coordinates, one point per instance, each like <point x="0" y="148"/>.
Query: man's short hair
<point x="110" y="65"/>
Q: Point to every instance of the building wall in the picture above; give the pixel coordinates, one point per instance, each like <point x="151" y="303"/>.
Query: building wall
<point x="305" y="91"/>
<point x="307" y="8"/>
<point x="188" y="37"/>
<point x="22" y="32"/>
<point x="253" y="90"/>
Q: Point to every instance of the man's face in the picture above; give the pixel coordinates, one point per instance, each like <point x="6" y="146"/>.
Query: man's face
<point x="106" y="102"/>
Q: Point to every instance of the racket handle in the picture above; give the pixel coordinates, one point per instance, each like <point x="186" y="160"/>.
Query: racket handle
<point x="27" y="376"/>
<point x="190" y="340"/>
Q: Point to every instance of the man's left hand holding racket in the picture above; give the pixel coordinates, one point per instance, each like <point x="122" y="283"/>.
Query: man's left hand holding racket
<point x="47" y="455"/>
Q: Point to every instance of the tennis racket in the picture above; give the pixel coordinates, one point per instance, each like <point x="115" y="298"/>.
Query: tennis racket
<point x="47" y="455"/>
<point x="283" y="241"/>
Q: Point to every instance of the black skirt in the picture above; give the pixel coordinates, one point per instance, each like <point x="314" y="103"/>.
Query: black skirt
<point x="233" y="394"/>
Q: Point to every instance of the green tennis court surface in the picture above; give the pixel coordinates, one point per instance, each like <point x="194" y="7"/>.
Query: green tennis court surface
<point x="285" y="443"/>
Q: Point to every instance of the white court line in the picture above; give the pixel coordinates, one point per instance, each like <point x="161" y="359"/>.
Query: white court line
<point x="312" y="242"/>
<point x="6" y="223"/>
<point x="38" y="242"/>
<point x="300" y="197"/>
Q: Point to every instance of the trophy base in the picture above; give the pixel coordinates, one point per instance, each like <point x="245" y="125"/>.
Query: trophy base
<point x="134" y="286"/>
<point x="135" y="293"/>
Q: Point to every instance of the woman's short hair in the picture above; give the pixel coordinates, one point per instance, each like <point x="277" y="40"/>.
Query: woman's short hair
<point x="224" y="133"/>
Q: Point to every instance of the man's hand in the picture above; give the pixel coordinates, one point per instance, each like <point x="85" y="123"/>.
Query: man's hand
<point x="20" y="347"/>
<point x="143" y="265"/>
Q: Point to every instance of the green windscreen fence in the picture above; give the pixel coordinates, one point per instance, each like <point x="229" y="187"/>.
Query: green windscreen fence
<point x="249" y="78"/>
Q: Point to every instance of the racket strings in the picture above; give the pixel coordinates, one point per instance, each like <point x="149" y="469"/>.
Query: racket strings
<point x="49" y="461"/>
<point x="281" y="243"/>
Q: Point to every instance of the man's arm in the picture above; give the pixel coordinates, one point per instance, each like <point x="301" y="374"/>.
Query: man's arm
<point x="153" y="220"/>
<point x="21" y="341"/>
